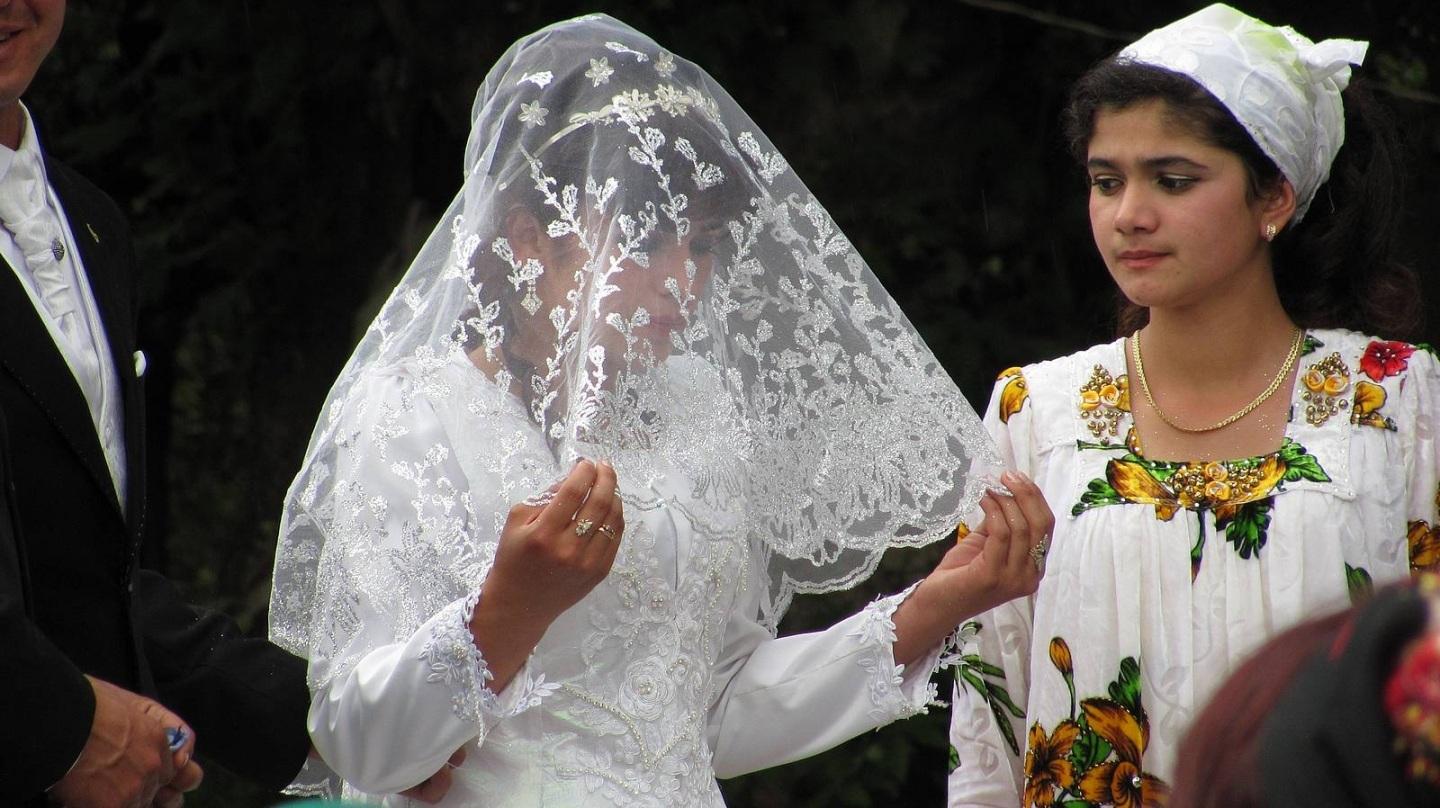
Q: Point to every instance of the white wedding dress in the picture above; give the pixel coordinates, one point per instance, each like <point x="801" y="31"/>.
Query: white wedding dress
<point x="630" y="272"/>
<point x="658" y="681"/>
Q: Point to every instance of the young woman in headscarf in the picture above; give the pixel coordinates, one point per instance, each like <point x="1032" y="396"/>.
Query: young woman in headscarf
<point x="633" y="293"/>
<point x="1246" y="453"/>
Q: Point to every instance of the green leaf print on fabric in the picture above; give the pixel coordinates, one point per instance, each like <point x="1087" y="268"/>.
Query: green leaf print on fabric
<point x="1358" y="580"/>
<point x="1246" y="526"/>
<point x="986" y="679"/>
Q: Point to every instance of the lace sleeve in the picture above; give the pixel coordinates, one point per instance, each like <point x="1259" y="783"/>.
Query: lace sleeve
<point x="449" y="653"/>
<point x="397" y="681"/>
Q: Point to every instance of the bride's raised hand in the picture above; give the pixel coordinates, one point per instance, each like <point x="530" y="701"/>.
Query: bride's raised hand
<point x="998" y="561"/>
<point x="550" y="555"/>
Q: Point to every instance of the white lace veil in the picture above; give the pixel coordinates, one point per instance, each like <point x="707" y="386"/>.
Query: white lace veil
<point x="700" y="320"/>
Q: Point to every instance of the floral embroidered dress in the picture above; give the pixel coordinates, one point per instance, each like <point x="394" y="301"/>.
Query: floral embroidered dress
<point x="1163" y="576"/>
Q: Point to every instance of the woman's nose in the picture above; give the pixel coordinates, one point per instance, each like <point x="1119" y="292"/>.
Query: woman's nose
<point x="1134" y="211"/>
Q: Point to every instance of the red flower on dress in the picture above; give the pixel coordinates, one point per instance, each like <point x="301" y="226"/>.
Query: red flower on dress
<point x="1383" y="359"/>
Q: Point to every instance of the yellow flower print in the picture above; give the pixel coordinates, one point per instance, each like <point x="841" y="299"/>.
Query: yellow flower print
<point x="1120" y="782"/>
<point x="1325" y="381"/>
<point x="1060" y="656"/>
<point x="1365" y="411"/>
<point x="1424" y="546"/>
<point x="1133" y="482"/>
<point x="1104" y="400"/>
<point x="1047" y="764"/>
<point x="1013" y="395"/>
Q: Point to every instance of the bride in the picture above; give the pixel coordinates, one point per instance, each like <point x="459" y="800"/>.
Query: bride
<point x="635" y="391"/>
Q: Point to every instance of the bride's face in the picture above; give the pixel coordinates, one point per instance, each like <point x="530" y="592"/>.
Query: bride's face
<point x="670" y="287"/>
<point x="666" y="284"/>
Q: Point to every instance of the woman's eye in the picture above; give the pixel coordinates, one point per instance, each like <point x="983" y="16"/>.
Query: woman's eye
<point x="1172" y="182"/>
<point x="1105" y="185"/>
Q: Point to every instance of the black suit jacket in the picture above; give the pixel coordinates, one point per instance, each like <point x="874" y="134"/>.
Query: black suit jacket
<point x="72" y="597"/>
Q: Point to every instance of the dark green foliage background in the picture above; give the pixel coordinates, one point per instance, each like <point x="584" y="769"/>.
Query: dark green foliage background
<point x="280" y="160"/>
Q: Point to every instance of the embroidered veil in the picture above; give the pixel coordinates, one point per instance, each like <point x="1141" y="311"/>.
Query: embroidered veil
<point x="699" y="317"/>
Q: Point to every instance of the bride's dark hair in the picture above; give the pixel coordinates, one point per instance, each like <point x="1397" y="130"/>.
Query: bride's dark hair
<point x="1335" y="269"/>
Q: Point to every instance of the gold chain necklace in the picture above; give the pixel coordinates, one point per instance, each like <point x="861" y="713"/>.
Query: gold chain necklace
<point x="1275" y="383"/>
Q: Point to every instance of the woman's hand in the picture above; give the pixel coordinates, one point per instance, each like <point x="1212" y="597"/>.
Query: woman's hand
<point x="999" y="561"/>
<point x="549" y="557"/>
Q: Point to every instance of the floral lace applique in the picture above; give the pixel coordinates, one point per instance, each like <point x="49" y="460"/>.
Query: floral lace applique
<point x="876" y="630"/>
<point x="454" y="661"/>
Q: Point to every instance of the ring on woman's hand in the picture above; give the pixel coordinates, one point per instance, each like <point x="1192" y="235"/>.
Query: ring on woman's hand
<point x="1037" y="553"/>
<point x="607" y="530"/>
<point x="583" y="526"/>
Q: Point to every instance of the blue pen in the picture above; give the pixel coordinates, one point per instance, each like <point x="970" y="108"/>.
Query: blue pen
<point x="177" y="737"/>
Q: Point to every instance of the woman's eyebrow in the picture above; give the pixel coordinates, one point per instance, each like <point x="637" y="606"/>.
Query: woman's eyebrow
<point x="1161" y="163"/>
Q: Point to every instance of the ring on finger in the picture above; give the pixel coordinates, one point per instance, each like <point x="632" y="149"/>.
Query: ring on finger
<point x="608" y="531"/>
<point x="583" y="527"/>
<point x="1037" y="553"/>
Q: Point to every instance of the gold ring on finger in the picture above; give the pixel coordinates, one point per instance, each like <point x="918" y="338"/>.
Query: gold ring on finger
<point x="608" y="531"/>
<point x="1037" y="553"/>
<point x="583" y="527"/>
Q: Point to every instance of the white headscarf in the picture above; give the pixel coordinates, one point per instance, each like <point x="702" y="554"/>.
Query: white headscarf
<point x="1282" y="87"/>
<point x="715" y="336"/>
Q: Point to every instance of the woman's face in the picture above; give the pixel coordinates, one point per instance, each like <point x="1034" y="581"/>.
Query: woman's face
<point x="1170" y="213"/>
<point x="667" y="286"/>
<point x="670" y="288"/>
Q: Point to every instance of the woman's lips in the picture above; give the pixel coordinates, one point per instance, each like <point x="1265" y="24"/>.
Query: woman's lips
<point x="1141" y="259"/>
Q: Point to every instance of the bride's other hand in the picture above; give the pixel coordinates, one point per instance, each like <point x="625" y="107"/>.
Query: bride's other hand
<point x="999" y="561"/>
<point x="549" y="557"/>
<point x="437" y="785"/>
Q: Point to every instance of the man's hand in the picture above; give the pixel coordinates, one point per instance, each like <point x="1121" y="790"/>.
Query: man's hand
<point x="127" y="761"/>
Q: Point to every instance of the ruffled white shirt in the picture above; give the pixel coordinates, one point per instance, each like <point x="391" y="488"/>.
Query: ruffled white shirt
<point x="657" y="682"/>
<point x="57" y="286"/>
<point x="1162" y="577"/>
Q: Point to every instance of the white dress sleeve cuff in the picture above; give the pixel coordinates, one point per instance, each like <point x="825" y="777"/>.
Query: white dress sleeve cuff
<point x="896" y="691"/>
<point x="456" y="663"/>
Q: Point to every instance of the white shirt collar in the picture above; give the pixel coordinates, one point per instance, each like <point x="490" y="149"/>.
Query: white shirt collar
<point x="29" y="147"/>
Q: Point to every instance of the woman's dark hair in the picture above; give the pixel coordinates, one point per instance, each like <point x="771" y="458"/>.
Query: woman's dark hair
<point x="1335" y="269"/>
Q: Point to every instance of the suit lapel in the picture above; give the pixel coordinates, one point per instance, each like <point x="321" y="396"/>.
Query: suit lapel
<point x="35" y="362"/>
<point x="104" y="254"/>
<point x="43" y="373"/>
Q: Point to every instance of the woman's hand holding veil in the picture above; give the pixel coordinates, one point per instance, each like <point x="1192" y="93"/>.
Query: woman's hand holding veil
<point x="550" y="555"/>
<point x="1001" y="560"/>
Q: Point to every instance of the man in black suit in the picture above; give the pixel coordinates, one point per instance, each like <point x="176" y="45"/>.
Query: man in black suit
<point x="91" y="646"/>
<point x="84" y="631"/>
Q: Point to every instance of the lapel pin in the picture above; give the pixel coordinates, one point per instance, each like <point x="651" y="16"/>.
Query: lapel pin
<point x="139" y="364"/>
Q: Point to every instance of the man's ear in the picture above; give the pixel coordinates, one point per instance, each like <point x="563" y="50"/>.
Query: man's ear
<point x="526" y="235"/>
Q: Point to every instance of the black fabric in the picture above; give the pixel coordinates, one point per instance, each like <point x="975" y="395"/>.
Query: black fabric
<point x="46" y="702"/>
<point x="1328" y="742"/>
<point x="246" y="699"/>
